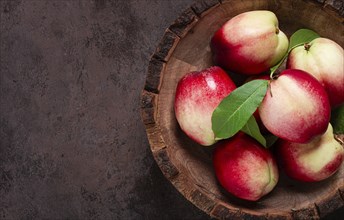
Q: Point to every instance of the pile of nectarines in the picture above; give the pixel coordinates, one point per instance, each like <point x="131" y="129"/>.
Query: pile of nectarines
<point x="296" y="108"/>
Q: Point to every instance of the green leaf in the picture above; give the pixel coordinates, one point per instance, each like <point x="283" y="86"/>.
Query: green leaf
<point x="251" y="128"/>
<point x="234" y="110"/>
<point x="270" y="139"/>
<point x="337" y="119"/>
<point x="301" y="37"/>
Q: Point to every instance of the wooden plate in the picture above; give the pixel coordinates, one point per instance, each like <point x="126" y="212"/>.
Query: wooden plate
<point x="184" y="48"/>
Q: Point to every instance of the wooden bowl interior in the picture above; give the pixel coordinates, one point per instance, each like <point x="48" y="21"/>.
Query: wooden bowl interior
<point x="193" y="53"/>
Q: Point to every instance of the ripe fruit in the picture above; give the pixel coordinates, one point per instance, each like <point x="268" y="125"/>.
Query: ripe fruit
<point x="244" y="168"/>
<point x="314" y="161"/>
<point x="324" y="59"/>
<point x="296" y="107"/>
<point x="197" y="95"/>
<point x="249" y="43"/>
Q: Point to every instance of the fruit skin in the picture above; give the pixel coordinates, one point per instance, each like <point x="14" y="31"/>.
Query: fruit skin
<point x="311" y="162"/>
<point x="324" y="59"/>
<point x="296" y="107"/>
<point x="261" y="126"/>
<point x="249" y="43"/>
<point x="244" y="168"/>
<point x="197" y="96"/>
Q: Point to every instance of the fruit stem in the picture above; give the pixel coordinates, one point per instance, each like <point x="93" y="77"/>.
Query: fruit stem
<point x="274" y="68"/>
<point x="307" y="46"/>
<point x="269" y="85"/>
<point x="277" y="31"/>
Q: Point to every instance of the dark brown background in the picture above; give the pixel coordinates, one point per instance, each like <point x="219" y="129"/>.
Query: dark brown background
<point x="72" y="142"/>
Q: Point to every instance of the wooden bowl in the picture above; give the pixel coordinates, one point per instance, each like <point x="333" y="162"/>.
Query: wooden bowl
<point x="184" y="48"/>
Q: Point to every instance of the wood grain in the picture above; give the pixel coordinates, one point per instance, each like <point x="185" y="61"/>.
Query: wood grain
<point x="184" y="23"/>
<point x="184" y="48"/>
<point x="202" y="8"/>
<point x="166" y="46"/>
<point x="153" y="79"/>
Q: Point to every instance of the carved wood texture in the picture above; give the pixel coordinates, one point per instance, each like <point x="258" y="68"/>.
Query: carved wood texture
<point x="185" y="47"/>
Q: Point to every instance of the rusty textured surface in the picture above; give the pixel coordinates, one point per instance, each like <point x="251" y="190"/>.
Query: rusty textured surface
<point x="72" y="142"/>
